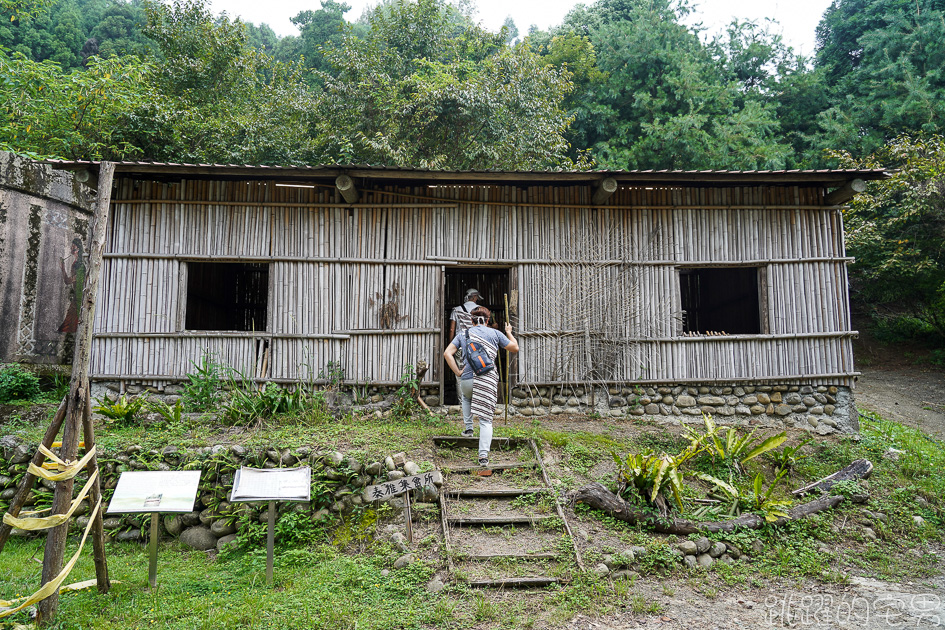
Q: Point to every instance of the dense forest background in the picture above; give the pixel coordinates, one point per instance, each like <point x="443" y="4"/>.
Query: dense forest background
<point x="620" y="84"/>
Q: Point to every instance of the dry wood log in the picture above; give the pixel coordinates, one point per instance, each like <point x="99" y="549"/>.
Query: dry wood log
<point x="421" y="371"/>
<point x="859" y="469"/>
<point x="599" y="497"/>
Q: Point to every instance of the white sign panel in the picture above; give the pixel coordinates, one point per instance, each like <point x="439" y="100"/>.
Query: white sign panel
<point x="155" y="491"/>
<point x="398" y="486"/>
<point x="272" y="484"/>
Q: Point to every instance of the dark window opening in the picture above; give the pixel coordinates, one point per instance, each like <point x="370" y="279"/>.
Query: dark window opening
<point x="227" y="296"/>
<point x="717" y="300"/>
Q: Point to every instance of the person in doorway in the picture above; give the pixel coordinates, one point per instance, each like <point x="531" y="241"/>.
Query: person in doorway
<point x="461" y="317"/>
<point x="478" y="394"/>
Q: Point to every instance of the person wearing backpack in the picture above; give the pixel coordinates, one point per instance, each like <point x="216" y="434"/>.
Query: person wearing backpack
<point x="479" y="387"/>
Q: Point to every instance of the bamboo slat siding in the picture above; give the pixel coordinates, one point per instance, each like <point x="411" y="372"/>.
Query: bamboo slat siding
<point x="327" y="260"/>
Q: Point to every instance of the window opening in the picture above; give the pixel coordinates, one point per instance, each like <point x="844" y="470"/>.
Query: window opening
<point x="227" y="296"/>
<point x="720" y="300"/>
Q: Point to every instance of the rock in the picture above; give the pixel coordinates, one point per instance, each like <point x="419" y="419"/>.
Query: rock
<point x="637" y="552"/>
<point x="601" y="569"/>
<point x="688" y="547"/>
<point x="394" y="475"/>
<point x="717" y="549"/>
<point x="704" y="560"/>
<point x="207" y="516"/>
<point x="763" y="398"/>
<point x="727" y="559"/>
<point x="389" y="463"/>
<point x="374" y="469"/>
<point x="690" y="561"/>
<point x="435" y="585"/>
<point x="757" y="547"/>
<point x="404" y="560"/>
<point x="222" y="527"/>
<point x="702" y="545"/>
<point x="129" y="535"/>
<point x="733" y="551"/>
<point x="624" y="574"/>
<point x="410" y="469"/>
<point x="354" y="465"/>
<point x="869" y="533"/>
<point x="288" y="459"/>
<point x="685" y="401"/>
<point x="876" y="516"/>
<point x="173" y="524"/>
<point x="20" y="455"/>
<point x="921" y="502"/>
<point x="190" y="519"/>
<point x="199" y="538"/>
<point x="711" y="400"/>
<point x="399" y="459"/>
<point x="238" y="451"/>
<point x="385" y="572"/>
<point x="335" y="458"/>
<point x="111" y="523"/>
<point x="400" y="541"/>
<point x="227" y="541"/>
<point x="783" y="410"/>
<point x="893" y="454"/>
<point x="918" y="520"/>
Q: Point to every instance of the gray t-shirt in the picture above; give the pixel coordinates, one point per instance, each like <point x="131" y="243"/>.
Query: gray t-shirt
<point x="491" y="335"/>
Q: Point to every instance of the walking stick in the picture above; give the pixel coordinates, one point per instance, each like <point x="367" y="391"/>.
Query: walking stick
<point x="508" y="364"/>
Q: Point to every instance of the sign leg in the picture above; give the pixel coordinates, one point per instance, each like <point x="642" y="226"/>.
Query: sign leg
<point x="270" y="541"/>
<point x="409" y="517"/>
<point x="153" y="544"/>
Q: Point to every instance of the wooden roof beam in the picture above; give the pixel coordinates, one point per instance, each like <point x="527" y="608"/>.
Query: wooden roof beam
<point x="845" y="193"/>
<point x="346" y="187"/>
<point x="603" y="190"/>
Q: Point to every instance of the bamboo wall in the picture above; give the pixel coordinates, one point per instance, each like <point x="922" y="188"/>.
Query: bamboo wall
<point x="329" y="261"/>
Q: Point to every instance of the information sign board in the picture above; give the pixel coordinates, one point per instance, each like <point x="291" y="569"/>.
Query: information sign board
<point x="393" y="488"/>
<point x="155" y="491"/>
<point x="272" y="484"/>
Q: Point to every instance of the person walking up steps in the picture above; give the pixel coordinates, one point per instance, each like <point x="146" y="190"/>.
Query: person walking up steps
<point x="478" y="393"/>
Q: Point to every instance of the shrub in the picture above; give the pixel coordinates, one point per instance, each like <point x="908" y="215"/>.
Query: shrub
<point x="17" y="383"/>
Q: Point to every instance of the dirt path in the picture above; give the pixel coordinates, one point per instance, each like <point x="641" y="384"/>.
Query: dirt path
<point x="914" y="396"/>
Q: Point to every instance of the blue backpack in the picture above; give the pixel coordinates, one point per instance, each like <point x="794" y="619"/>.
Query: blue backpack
<point x="478" y="358"/>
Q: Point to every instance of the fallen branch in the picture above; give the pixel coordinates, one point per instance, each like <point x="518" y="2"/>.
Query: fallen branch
<point x="859" y="469"/>
<point x="599" y="497"/>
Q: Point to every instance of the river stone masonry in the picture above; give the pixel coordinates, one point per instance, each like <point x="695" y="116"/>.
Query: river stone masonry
<point x="338" y="481"/>
<point x="822" y="409"/>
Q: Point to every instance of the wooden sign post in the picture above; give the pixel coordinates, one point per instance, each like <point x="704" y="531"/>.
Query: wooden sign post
<point x="404" y="486"/>
<point x="272" y="485"/>
<point x="155" y="492"/>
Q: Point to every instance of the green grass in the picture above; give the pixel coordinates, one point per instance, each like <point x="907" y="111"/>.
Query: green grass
<point x="338" y="584"/>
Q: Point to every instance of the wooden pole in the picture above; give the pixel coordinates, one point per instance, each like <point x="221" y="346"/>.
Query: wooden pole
<point x="26" y="486"/>
<point x="78" y="392"/>
<point x="153" y="549"/>
<point x="270" y="542"/>
<point x="98" y="530"/>
<point x="508" y="359"/>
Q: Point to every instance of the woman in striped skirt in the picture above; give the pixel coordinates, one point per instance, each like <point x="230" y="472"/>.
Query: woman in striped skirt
<point x="478" y="394"/>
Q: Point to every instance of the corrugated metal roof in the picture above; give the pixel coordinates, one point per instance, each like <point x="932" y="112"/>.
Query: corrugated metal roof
<point x="395" y="172"/>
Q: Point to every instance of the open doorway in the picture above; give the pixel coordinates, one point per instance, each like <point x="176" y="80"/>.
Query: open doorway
<point x="493" y="285"/>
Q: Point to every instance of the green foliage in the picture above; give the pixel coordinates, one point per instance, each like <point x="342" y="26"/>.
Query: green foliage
<point x="77" y="114"/>
<point x="167" y="412"/>
<point x="652" y="477"/>
<point x="248" y="403"/>
<point x="405" y="401"/>
<point x="426" y="87"/>
<point x="788" y="457"/>
<point x="755" y="499"/>
<point x="17" y="383"/>
<point x="730" y="448"/>
<point x="204" y="386"/>
<point x="895" y="231"/>
<point x="122" y="410"/>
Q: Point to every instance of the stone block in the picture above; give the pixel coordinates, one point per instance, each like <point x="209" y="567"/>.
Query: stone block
<point x="782" y="410"/>
<point x="199" y="538"/>
<point x="763" y="398"/>
<point x="685" y="401"/>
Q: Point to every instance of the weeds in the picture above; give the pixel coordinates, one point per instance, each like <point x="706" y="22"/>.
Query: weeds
<point x="204" y="386"/>
<point x="122" y="410"/>
<point x="17" y="383"/>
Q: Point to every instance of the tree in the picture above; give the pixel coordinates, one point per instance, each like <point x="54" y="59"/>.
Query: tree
<point x="896" y="231"/>
<point x="318" y="29"/>
<point x="426" y="87"/>
<point x="667" y="100"/>
<point x="78" y="114"/>
<point x="884" y="61"/>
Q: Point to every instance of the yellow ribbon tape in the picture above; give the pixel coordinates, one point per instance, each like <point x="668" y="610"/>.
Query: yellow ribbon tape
<point x="69" y="470"/>
<point x="46" y="522"/>
<point x="53" y="585"/>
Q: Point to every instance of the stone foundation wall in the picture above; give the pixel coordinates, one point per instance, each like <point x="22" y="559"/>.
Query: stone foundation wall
<point x="823" y="409"/>
<point x="337" y="483"/>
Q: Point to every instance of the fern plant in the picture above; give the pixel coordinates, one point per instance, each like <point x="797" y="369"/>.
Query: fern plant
<point x="758" y="499"/>
<point x="655" y="478"/>
<point x="731" y="448"/>
<point x="121" y="410"/>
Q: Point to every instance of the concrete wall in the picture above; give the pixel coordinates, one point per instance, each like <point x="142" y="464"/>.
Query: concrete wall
<point x="42" y="213"/>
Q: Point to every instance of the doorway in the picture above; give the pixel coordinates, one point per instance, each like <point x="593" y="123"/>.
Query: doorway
<point x="493" y="285"/>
